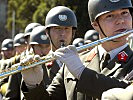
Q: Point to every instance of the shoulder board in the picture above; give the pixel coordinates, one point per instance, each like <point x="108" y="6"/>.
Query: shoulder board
<point x="91" y="55"/>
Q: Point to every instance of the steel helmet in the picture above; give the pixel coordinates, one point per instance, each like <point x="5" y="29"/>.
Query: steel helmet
<point x="91" y="35"/>
<point x="30" y="27"/>
<point x="78" y="42"/>
<point x="7" y="44"/>
<point x="97" y="8"/>
<point x="19" y="39"/>
<point x="39" y="36"/>
<point x="61" y="16"/>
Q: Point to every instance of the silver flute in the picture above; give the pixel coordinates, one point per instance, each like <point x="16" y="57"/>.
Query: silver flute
<point x="20" y="67"/>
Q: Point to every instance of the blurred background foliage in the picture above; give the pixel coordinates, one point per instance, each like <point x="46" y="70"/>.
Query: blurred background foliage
<point x="27" y="11"/>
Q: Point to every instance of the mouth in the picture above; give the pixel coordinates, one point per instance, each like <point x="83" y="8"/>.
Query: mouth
<point x="62" y="43"/>
<point x="120" y="30"/>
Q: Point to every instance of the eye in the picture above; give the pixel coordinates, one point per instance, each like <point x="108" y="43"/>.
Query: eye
<point x="109" y="16"/>
<point x="125" y="13"/>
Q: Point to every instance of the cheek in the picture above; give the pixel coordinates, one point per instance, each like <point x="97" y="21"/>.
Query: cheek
<point x="108" y="27"/>
<point x="53" y="35"/>
<point x="69" y="35"/>
<point x="36" y="50"/>
<point x="130" y="22"/>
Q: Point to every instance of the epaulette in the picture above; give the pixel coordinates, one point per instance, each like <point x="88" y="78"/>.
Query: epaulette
<point x="91" y="55"/>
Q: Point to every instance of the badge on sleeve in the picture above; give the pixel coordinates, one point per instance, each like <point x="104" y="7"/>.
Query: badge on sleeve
<point x="122" y="56"/>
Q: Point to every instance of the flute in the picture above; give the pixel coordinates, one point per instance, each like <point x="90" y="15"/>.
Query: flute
<point x="18" y="67"/>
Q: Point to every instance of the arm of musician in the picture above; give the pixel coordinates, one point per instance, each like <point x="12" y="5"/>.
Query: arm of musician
<point x="4" y="81"/>
<point x="13" y="90"/>
<point x="118" y="94"/>
<point x="32" y="76"/>
<point x="69" y="56"/>
<point x="89" y="81"/>
<point x="55" y="91"/>
<point x="94" y="84"/>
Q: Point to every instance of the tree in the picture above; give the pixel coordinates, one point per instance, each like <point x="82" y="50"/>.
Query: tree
<point x="24" y="10"/>
<point x="28" y="11"/>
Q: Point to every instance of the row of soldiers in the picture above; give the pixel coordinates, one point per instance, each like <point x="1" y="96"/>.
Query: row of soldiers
<point x="72" y="76"/>
<point x="11" y="49"/>
<point x="17" y="49"/>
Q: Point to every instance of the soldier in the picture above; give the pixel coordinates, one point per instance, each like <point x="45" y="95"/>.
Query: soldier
<point x="7" y="51"/>
<point x="21" y="44"/>
<point x="40" y="44"/>
<point x="108" y="18"/>
<point x="39" y="41"/>
<point x="28" y="30"/>
<point x="78" y="42"/>
<point x="78" y="81"/>
<point x="91" y="36"/>
<point x="60" y="27"/>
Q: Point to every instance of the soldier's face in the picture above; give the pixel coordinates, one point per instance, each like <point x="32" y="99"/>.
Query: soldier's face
<point x="113" y="23"/>
<point x="41" y="49"/>
<point x="21" y="48"/>
<point x="60" y="33"/>
<point x="8" y="53"/>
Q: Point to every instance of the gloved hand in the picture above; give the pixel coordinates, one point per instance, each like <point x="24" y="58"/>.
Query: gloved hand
<point x="118" y="94"/>
<point x="69" y="56"/>
<point x="32" y="76"/>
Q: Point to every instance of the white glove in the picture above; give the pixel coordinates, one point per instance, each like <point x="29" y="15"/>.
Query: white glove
<point x="118" y="93"/>
<point x="32" y="76"/>
<point x="69" y="56"/>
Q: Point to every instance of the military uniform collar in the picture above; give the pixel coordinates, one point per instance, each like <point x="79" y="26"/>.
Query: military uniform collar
<point x="113" y="52"/>
<point x="116" y="63"/>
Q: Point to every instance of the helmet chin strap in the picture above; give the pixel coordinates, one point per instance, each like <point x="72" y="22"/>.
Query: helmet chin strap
<point x="104" y="33"/>
<point x="51" y="39"/>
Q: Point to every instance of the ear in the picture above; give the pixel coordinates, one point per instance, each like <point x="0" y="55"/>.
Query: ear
<point x="47" y="32"/>
<point x="73" y="33"/>
<point x="95" y="25"/>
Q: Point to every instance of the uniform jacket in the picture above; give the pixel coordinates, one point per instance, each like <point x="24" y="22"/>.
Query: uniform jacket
<point x="50" y="72"/>
<point x="92" y="82"/>
<point x="4" y="64"/>
<point x="14" y="92"/>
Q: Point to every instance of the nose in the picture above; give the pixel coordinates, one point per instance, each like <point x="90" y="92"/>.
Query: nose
<point x="63" y="32"/>
<point x="120" y="19"/>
